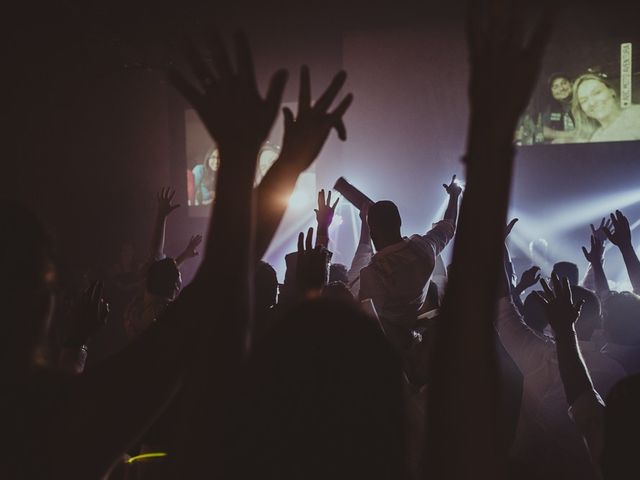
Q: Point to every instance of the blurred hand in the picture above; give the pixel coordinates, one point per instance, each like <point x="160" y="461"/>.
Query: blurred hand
<point x="191" y="249"/>
<point x="504" y="67"/>
<point x="227" y="99"/>
<point x="562" y="313"/>
<point x="596" y="254"/>
<point x="620" y="236"/>
<point x="306" y="133"/>
<point x="454" y="189"/>
<point x="528" y="279"/>
<point x="164" y="198"/>
<point x="325" y="211"/>
<point x="89" y="316"/>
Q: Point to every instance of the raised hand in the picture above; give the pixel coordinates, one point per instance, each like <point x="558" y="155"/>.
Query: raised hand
<point x="164" y="199"/>
<point x="504" y="67"/>
<point x="454" y="189"/>
<point x="191" y="250"/>
<point x="620" y="236"/>
<point x="227" y="99"/>
<point x="325" y="211"/>
<point x="528" y="279"/>
<point x="509" y="227"/>
<point x="594" y="256"/>
<point x="312" y="266"/>
<point x="303" y="139"/>
<point x="306" y="133"/>
<point x="89" y="316"/>
<point x="562" y="313"/>
<point x="601" y="232"/>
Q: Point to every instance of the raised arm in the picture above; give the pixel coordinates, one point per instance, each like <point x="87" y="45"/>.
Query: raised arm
<point x="304" y="137"/>
<point x="164" y="209"/>
<point x="529" y="278"/>
<point x="454" y="189"/>
<point x="239" y="119"/>
<point x="462" y="440"/>
<point x="595" y="257"/>
<point x="324" y="217"/>
<point x="586" y="406"/>
<point x="363" y="253"/>
<point x="620" y="236"/>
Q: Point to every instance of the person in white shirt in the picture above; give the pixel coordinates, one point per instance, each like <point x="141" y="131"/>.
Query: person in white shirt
<point x="397" y="275"/>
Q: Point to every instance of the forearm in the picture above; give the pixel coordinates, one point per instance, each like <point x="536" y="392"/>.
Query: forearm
<point x="633" y="266"/>
<point x="183" y="257"/>
<point x="467" y="332"/>
<point x="573" y="372"/>
<point x="600" y="279"/>
<point x="322" y="236"/>
<point x="451" y="213"/>
<point x="157" y="239"/>
<point x="226" y="273"/>
<point x="517" y="300"/>
<point x="365" y="235"/>
<point x="276" y="186"/>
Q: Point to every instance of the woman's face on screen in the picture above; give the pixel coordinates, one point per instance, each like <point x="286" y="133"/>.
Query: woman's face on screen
<point x="596" y="99"/>
<point x="213" y="160"/>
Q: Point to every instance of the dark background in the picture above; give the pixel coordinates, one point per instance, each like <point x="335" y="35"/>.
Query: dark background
<point x="91" y="129"/>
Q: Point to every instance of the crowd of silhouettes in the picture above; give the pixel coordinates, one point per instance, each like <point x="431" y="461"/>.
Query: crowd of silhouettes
<point x="392" y="367"/>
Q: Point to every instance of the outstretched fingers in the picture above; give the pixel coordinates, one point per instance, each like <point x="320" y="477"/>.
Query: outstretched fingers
<point x="309" y="241"/>
<point x="275" y="92"/>
<point x="246" y="69"/>
<point x="304" y="92"/>
<point x="220" y="56"/>
<point x="338" y="113"/>
<point x="329" y="95"/>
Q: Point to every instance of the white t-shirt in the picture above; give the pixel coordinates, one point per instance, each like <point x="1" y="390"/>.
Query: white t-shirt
<point x="397" y="276"/>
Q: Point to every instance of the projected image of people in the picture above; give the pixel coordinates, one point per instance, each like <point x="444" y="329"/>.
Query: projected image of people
<point x="204" y="178"/>
<point x="592" y="96"/>
<point x="599" y="116"/>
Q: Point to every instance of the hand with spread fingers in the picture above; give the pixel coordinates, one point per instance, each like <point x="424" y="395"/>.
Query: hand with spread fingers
<point x="620" y="235"/>
<point x="307" y="131"/>
<point x="528" y="279"/>
<point x="191" y="250"/>
<point x="562" y="313"/>
<point x="596" y="254"/>
<point x="227" y="98"/>
<point x="601" y="232"/>
<point x="164" y="198"/>
<point x="325" y="211"/>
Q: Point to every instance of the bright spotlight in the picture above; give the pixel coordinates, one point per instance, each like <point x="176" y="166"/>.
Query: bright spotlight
<point x="304" y="194"/>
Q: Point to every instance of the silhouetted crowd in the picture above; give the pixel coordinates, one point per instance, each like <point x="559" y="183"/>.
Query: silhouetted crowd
<point x="393" y="367"/>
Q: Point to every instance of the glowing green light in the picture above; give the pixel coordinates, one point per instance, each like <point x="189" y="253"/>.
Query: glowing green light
<point x="146" y="456"/>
